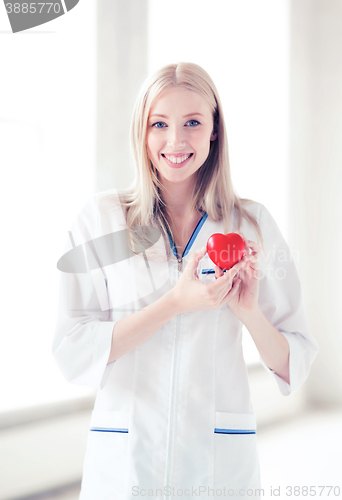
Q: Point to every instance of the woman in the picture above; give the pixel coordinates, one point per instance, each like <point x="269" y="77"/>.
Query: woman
<point x="162" y="340"/>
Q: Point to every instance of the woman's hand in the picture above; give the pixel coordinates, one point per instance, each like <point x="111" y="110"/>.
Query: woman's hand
<point x="245" y="301"/>
<point x="190" y="294"/>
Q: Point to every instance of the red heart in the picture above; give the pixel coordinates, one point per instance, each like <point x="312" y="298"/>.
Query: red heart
<point x="225" y="250"/>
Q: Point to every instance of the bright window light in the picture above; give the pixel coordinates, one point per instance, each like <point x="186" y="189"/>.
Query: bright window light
<point x="47" y="153"/>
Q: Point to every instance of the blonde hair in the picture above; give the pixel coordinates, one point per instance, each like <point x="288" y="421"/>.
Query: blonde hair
<point x="213" y="190"/>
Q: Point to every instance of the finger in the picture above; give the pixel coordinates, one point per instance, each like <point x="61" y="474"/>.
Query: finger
<point x="254" y="256"/>
<point x="232" y="292"/>
<point x="230" y="274"/>
<point x="254" y="273"/>
<point x="201" y="252"/>
<point x="243" y="236"/>
<point x="255" y="248"/>
<point x="225" y="282"/>
<point x="191" y="268"/>
<point x="247" y="268"/>
<point x="221" y="285"/>
<point x="250" y="244"/>
<point x="218" y="272"/>
<point x="237" y="267"/>
<point x="197" y="256"/>
<point x="251" y="260"/>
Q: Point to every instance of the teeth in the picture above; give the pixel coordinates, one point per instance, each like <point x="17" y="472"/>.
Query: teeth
<point x="178" y="159"/>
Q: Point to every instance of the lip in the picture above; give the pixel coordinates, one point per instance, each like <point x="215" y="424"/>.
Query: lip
<point x="177" y="165"/>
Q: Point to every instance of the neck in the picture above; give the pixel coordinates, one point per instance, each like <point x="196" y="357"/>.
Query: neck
<point x="178" y="197"/>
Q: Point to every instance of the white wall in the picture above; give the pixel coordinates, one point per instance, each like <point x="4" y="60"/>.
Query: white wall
<point x="121" y="68"/>
<point x="316" y="181"/>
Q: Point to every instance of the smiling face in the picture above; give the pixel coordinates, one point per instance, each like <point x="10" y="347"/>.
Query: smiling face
<point x="179" y="131"/>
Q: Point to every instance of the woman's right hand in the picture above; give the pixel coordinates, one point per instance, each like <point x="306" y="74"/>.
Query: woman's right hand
<point x="190" y="294"/>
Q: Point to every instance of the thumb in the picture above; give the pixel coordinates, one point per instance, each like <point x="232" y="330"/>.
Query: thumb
<point x="197" y="256"/>
<point x="194" y="260"/>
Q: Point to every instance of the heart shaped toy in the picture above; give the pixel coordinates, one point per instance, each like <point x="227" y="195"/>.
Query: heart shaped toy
<point x="225" y="250"/>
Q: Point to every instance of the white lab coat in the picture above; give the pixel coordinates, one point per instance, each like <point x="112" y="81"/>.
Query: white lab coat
<point x="175" y="412"/>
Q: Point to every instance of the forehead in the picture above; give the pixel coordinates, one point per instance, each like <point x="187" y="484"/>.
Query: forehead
<point x="180" y="98"/>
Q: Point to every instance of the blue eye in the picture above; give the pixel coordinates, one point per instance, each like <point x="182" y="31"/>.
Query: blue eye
<point x="156" y="125"/>
<point x="193" y="123"/>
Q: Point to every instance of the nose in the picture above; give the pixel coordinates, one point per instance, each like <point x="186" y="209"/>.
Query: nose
<point x="176" y="138"/>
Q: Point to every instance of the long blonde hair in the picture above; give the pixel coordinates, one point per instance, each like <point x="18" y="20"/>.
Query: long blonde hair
<point x="213" y="190"/>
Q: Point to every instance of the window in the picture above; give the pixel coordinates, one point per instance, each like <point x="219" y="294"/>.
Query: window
<point x="47" y="132"/>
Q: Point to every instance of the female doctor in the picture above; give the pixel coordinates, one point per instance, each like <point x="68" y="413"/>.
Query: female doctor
<point x="159" y="338"/>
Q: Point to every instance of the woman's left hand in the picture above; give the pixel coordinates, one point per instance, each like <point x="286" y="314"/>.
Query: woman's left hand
<point x="245" y="301"/>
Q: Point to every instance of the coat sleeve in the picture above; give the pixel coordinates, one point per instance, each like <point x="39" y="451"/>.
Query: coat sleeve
<point x="281" y="301"/>
<point x="82" y="336"/>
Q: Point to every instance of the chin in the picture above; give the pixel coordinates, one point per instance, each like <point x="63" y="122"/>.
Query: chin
<point x="177" y="176"/>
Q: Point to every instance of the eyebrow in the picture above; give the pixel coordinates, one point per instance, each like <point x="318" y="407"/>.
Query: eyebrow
<point x="185" y="116"/>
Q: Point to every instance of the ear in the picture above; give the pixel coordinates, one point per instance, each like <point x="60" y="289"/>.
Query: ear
<point x="213" y="136"/>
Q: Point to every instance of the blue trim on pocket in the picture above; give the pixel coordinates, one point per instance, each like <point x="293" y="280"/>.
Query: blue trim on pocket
<point x="211" y="271"/>
<point x="234" y="431"/>
<point x="108" y="429"/>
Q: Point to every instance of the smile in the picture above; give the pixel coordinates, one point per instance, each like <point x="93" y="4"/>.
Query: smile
<point x="177" y="159"/>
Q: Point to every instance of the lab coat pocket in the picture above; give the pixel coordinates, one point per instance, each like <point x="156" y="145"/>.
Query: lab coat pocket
<point x="207" y="278"/>
<point x="236" y="457"/>
<point x="105" y="464"/>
